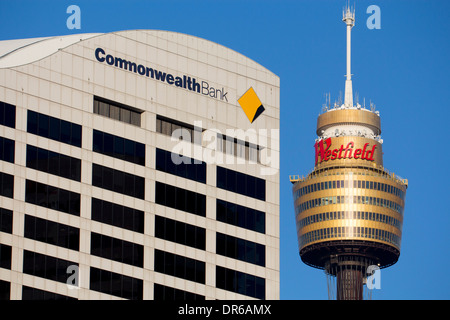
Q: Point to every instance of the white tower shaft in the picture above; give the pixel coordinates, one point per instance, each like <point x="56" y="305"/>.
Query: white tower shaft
<point x="349" y="19"/>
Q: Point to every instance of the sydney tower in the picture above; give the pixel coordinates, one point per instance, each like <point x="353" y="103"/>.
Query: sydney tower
<point x="349" y="209"/>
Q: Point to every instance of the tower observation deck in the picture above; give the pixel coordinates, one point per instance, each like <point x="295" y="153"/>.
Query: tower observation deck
<point x="349" y="209"/>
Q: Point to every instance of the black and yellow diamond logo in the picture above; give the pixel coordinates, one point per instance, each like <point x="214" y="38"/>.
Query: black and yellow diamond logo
<point x="251" y="105"/>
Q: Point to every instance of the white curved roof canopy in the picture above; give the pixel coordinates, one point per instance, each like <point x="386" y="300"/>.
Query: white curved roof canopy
<point x="15" y="53"/>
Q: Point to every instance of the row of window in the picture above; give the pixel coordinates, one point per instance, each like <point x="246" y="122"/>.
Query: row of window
<point x="117" y="111"/>
<point x="60" y="270"/>
<point x="185" y="131"/>
<point x="118" y="250"/>
<point x="337" y="215"/>
<point x="54" y="128"/>
<point x="52" y="197"/>
<point x="239" y="148"/>
<point x="117" y="215"/>
<point x="240" y="249"/>
<point x="161" y="292"/>
<point x="372" y="185"/>
<point x="179" y="266"/>
<point x="240" y="282"/>
<point x="241" y="183"/>
<point x="181" y="166"/>
<point x="7" y="150"/>
<point x="7" y="114"/>
<point x="53" y="163"/>
<point x="51" y="232"/>
<point x="102" y="279"/>
<point x="352" y="232"/>
<point x="323" y="201"/>
<point x="240" y="216"/>
<point x="118" y="147"/>
<point x="118" y="181"/>
<point x="180" y="199"/>
<point x="180" y="232"/>
<point x="128" y="218"/>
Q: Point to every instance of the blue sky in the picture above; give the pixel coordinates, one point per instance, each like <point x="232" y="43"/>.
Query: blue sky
<point x="404" y="68"/>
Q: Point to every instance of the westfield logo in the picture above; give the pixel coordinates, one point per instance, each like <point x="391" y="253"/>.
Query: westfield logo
<point x="324" y="151"/>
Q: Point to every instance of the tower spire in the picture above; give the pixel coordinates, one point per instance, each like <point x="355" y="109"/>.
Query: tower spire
<point x="348" y="16"/>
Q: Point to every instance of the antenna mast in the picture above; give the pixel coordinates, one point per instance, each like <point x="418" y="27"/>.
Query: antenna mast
<point x="348" y="16"/>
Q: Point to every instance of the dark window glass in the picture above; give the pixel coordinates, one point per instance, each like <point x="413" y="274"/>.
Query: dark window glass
<point x="53" y="163"/>
<point x="7" y="114"/>
<point x="5" y="256"/>
<point x="118" y="181"/>
<point x="240" y="216"/>
<point x="7" y="150"/>
<point x="239" y="282"/>
<point x="179" y="266"/>
<point x="6" y="220"/>
<point x="29" y="293"/>
<point x="54" y="128"/>
<point x="48" y="267"/>
<point x="52" y="197"/>
<point x="119" y="147"/>
<point x="161" y="292"/>
<point x="175" y="197"/>
<point x="240" y="249"/>
<point x="115" y="284"/>
<point x="180" y="232"/>
<point x="6" y="185"/>
<point x="117" y="250"/>
<point x="52" y="232"/>
<point x="5" y="289"/>
<point x="241" y="183"/>
<point x="187" y="168"/>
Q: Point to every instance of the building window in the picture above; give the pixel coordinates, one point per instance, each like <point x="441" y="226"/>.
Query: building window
<point x="29" y="293"/>
<point x="240" y="216"/>
<point x="117" y="111"/>
<point x="179" y="266"/>
<point x="185" y="131"/>
<point x="118" y="181"/>
<point x="6" y="185"/>
<point x="54" y="128"/>
<point x="161" y="292"/>
<point x="7" y="150"/>
<point x="43" y="266"/>
<point x="117" y="250"/>
<point x="6" y="220"/>
<point x="118" y="147"/>
<point x="115" y="284"/>
<point x="241" y="183"/>
<point x="5" y="289"/>
<point x="242" y="149"/>
<point x="188" y="168"/>
<point x="239" y="282"/>
<point x="53" y="163"/>
<point x="52" y="197"/>
<point x="7" y="115"/>
<point x="180" y="232"/>
<point x="52" y="232"/>
<point x="5" y="256"/>
<point x="180" y="199"/>
<point x="117" y="215"/>
<point x="240" y="249"/>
